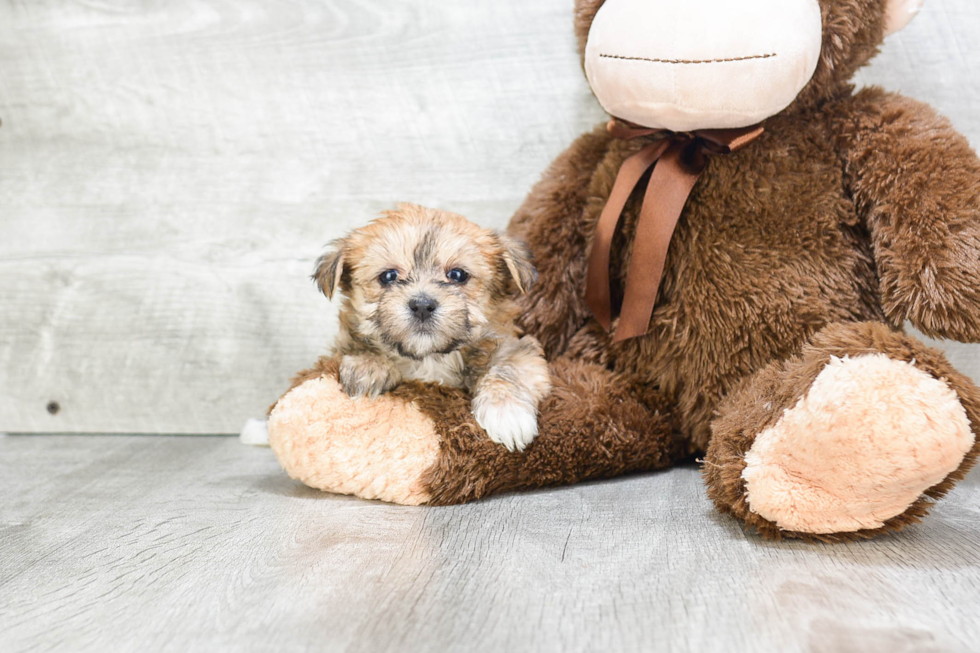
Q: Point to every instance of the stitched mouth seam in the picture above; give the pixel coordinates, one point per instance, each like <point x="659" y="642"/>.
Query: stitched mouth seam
<point x="687" y="61"/>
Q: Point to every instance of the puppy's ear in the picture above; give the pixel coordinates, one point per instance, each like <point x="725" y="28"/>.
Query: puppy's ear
<point x="330" y="268"/>
<point x="517" y="258"/>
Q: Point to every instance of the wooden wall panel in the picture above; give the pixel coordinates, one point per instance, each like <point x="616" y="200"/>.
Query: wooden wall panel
<point x="170" y="170"/>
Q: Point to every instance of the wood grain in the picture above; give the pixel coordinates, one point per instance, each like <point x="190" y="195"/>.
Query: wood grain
<point x="202" y="544"/>
<point x="171" y="170"/>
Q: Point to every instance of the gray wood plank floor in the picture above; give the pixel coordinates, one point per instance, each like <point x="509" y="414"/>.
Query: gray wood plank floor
<point x="122" y="543"/>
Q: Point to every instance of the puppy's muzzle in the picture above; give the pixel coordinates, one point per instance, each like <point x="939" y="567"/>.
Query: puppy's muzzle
<point x="422" y="307"/>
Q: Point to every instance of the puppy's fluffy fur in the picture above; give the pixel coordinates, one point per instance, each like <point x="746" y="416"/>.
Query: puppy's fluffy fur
<point x="429" y="296"/>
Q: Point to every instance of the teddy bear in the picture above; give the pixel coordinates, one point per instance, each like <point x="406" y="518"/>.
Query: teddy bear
<point x="725" y="272"/>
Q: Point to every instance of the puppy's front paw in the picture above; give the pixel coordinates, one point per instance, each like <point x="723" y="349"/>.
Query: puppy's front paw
<point x="512" y="424"/>
<point x="366" y="376"/>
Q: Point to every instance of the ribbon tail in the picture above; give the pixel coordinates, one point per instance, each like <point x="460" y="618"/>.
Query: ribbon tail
<point x="598" y="296"/>
<point x="726" y="141"/>
<point x="670" y="185"/>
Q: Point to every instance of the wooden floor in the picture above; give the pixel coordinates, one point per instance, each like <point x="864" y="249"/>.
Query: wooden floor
<point x="157" y="543"/>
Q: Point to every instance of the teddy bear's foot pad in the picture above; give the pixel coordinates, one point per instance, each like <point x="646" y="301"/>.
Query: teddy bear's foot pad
<point x="866" y="440"/>
<point x="374" y="448"/>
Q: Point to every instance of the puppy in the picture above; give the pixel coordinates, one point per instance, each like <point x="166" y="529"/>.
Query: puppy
<point x="429" y="296"/>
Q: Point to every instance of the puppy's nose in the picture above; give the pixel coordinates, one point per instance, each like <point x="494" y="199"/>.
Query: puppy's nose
<point x="422" y="307"/>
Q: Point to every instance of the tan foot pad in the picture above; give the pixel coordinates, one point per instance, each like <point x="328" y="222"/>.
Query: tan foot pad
<point x="870" y="436"/>
<point x="372" y="448"/>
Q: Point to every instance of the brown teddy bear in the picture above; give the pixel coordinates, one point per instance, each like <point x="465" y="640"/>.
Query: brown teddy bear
<point x="806" y="222"/>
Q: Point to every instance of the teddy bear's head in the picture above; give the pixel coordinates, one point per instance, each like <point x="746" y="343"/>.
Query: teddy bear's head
<point x="710" y="64"/>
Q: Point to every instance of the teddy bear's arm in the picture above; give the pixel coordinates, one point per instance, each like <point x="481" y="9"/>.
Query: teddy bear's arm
<point x="551" y="222"/>
<point x="916" y="182"/>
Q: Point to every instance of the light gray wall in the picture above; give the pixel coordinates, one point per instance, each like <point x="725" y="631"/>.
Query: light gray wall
<point x="169" y="171"/>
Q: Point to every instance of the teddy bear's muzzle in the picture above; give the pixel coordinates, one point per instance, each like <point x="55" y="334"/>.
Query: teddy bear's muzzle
<point x="702" y="64"/>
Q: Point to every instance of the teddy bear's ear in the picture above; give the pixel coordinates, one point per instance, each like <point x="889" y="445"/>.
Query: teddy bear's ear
<point x="585" y="11"/>
<point x="330" y="268"/>
<point x="517" y="258"/>
<point x="899" y="13"/>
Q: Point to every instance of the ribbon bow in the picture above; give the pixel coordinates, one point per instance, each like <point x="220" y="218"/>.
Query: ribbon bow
<point x="680" y="158"/>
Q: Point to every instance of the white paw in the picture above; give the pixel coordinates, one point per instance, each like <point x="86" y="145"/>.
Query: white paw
<point x="510" y="424"/>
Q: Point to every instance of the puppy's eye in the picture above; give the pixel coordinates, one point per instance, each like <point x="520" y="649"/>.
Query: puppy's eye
<point x="458" y="275"/>
<point x="388" y="277"/>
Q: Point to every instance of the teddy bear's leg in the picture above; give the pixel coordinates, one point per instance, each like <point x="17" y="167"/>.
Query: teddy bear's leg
<point x="420" y="443"/>
<point x="855" y="436"/>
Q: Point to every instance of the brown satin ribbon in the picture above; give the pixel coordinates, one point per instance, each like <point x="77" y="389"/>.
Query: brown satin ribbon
<point x="679" y="160"/>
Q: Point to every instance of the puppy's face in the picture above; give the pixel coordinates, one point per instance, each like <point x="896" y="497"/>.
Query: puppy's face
<point x="420" y="281"/>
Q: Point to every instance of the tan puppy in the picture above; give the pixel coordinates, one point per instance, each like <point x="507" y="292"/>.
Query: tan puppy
<point x="428" y="296"/>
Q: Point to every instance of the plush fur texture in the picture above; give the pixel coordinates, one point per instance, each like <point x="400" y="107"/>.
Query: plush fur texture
<point x="851" y="214"/>
<point x="421" y="444"/>
<point x="870" y="435"/>
<point x="764" y="399"/>
<point x="319" y="435"/>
